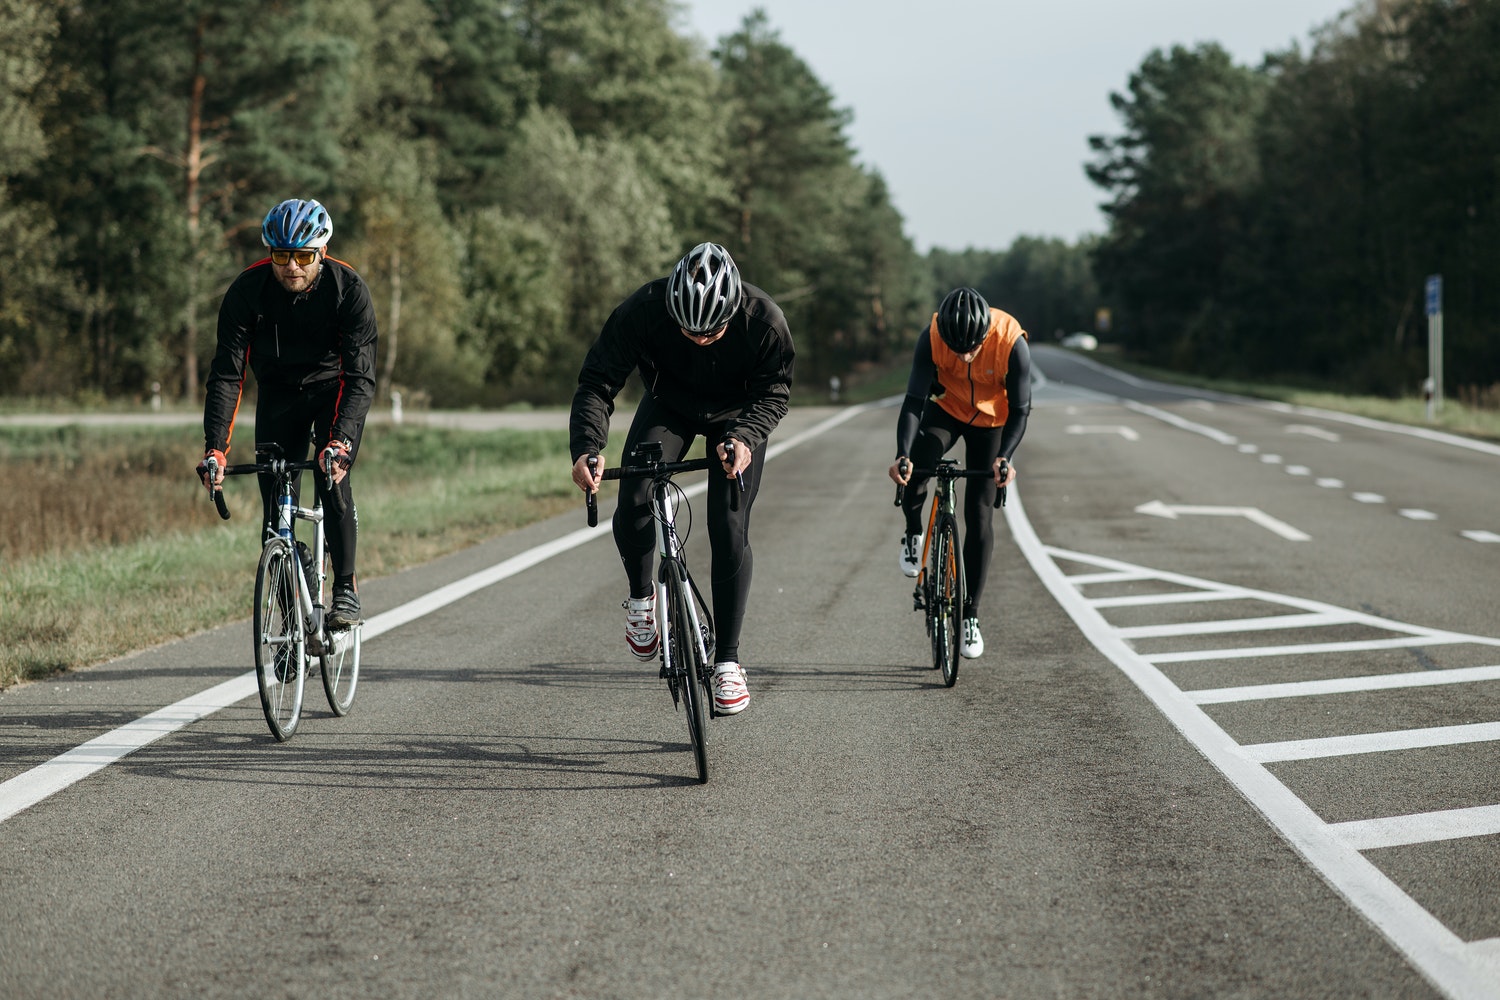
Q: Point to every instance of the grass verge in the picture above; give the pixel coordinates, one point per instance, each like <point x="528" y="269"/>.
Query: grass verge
<point x="157" y="563"/>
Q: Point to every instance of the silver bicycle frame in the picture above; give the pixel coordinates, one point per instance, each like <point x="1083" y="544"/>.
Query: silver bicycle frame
<point x="668" y="545"/>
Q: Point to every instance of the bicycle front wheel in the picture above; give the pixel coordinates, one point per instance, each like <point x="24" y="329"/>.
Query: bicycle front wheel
<point x="341" y="668"/>
<point x="948" y="599"/>
<point x="280" y="644"/>
<point x="689" y="668"/>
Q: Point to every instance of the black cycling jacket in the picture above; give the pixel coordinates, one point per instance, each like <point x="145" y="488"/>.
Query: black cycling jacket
<point x="290" y="341"/>
<point x="743" y="379"/>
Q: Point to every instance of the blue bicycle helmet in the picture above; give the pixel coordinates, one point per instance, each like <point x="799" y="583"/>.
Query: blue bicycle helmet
<point x="296" y="224"/>
<point x="703" y="291"/>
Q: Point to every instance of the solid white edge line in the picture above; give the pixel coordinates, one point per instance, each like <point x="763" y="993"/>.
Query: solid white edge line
<point x="30" y="787"/>
<point x="1434" y="950"/>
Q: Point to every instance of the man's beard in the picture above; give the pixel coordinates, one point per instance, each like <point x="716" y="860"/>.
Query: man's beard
<point x="311" y="280"/>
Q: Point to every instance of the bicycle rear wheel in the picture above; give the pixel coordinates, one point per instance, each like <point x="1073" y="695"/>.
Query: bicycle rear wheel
<point x="280" y="644"/>
<point x="341" y="668"/>
<point x="688" y="666"/>
<point x="947" y="624"/>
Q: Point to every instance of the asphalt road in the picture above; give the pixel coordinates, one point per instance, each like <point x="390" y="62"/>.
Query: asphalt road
<point x="1124" y="797"/>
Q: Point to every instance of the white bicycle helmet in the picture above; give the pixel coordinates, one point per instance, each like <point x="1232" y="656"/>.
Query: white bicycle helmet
<point x="703" y="292"/>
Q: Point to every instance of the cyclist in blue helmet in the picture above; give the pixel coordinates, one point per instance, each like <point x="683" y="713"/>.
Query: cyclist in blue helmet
<point x="304" y="324"/>
<point x="715" y="355"/>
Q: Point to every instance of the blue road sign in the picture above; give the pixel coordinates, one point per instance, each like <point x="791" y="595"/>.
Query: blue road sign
<point x="1434" y="294"/>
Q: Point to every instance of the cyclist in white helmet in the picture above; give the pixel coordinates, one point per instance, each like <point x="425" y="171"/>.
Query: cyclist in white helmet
<point x="715" y="357"/>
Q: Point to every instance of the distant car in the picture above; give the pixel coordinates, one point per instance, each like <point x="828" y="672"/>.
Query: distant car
<point x="1081" y="341"/>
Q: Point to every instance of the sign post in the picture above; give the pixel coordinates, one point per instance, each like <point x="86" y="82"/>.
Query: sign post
<point x="1434" y="384"/>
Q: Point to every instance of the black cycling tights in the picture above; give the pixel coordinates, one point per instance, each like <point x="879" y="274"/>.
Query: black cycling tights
<point x="728" y="530"/>
<point x="294" y="417"/>
<point x="935" y="436"/>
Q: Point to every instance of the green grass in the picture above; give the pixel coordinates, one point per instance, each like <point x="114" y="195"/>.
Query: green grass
<point x="157" y="563"/>
<point x="1454" y="416"/>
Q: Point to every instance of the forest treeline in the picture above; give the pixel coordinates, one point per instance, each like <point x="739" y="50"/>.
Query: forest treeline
<point x="1281" y="221"/>
<point x="502" y="173"/>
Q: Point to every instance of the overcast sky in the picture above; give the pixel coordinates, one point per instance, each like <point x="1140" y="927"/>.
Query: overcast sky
<point x="978" y="112"/>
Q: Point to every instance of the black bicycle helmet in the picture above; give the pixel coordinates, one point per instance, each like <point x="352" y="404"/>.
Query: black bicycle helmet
<point x="703" y="291"/>
<point x="963" y="320"/>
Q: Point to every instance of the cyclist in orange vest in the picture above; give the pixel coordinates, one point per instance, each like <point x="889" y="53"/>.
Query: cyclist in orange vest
<point x="970" y="379"/>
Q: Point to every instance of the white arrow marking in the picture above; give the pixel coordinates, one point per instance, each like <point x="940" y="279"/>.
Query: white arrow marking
<point x="1310" y="431"/>
<point x="1128" y="433"/>
<point x="1170" y="511"/>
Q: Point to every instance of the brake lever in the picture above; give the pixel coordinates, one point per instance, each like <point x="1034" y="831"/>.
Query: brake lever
<point x="590" y="498"/>
<point x="1004" y="475"/>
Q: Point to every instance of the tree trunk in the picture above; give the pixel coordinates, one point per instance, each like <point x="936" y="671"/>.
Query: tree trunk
<point x="193" y="163"/>
<point x="390" y="336"/>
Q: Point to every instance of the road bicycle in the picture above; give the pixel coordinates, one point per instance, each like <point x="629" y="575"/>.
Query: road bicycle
<point x="288" y="627"/>
<point x="941" y="588"/>
<point x="685" y="628"/>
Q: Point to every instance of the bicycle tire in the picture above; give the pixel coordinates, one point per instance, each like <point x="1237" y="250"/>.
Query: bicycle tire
<point x="341" y="669"/>
<point x="949" y="623"/>
<point x="689" y="667"/>
<point x="280" y="645"/>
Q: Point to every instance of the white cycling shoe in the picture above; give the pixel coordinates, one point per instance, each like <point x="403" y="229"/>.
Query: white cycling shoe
<point x="973" y="645"/>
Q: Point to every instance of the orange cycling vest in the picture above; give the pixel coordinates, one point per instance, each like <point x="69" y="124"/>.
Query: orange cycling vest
<point x="974" y="392"/>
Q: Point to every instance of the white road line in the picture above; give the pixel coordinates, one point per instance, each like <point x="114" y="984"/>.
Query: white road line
<point x="1344" y="685"/>
<point x="1444" y="958"/>
<point x="1417" y="514"/>
<point x="1418" y="828"/>
<point x="1193" y="656"/>
<point x="1270" y="623"/>
<point x="1310" y="431"/>
<point x="1212" y="433"/>
<point x="1179" y="597"/>
<point x="1461" y="971"/>
<point x="1085" y="579"/>
<point x="32" y="786"/>
<point x="1345" y="746"/>
<point x="1128" y="433"/>
<point x="1331" y="484"/>
<point x="1367" y="498"/>
<point x="1480" y="536"/>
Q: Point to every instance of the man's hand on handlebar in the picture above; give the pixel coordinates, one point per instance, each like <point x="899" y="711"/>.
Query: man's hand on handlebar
<point x="741" y="456"/>
<point x="900" y="471"/>
<point x="335" y="459"/>
<point x="1005" y="473"/>
<point x="588" y="472"/>
<point x="211" y="469"/>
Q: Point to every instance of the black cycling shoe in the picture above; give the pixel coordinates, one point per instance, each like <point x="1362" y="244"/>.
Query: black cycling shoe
<point x="345" y="611"/>
<point x="286" y="667"/>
